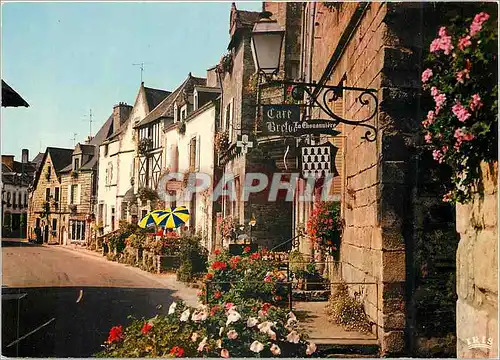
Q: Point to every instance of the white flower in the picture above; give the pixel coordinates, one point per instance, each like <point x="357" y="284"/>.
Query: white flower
<point x="271" y="334"/>
<point x="251" y="322"/>
<point x="292" y="316"/>
<point x="265" y="326"/>
<point x="275" y="350"/>
<point x="194" y="336"/>
<point x="224" y="353"/>
<point x="185" y="315"/>
<point x="202" y="344"/>
<point x="293" y="337"/>
<point x="232" y="316"/>
<point x="221" y="330"/>
<point x="172" y="307"/>
<point x="199" y="316"/>
<point x="311" y="348"/>
<point x="232" y="334"/>
<point x="256" y="347"/>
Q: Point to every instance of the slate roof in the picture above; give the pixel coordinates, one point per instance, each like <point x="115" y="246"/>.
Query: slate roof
<point x="10" y="98"/>
<point x="37" y="160"/>
<point x="60" y="159"/>
<point x="105" y="131"/>
<point x="166" y="107"/>
<point x="155" y="96"/>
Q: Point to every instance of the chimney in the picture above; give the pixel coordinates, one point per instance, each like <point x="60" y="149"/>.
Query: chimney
<point x="25" y="156"/>
<point x="8" y="160"/>
<point x="121" y="112"/>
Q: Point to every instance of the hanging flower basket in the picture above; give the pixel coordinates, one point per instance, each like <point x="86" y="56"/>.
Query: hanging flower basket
<point x="461" y="125"/>
<point x="145" y="145"/>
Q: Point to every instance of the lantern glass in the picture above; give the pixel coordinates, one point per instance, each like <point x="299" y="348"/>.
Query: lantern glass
<point x="267" y="39"/>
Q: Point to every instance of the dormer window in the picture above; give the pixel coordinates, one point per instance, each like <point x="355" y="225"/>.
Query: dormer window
<point x="176" y="113"/>
<point x="76" y="164"/>
<point x="195" y="102"/>
<point x="184" y="111"/>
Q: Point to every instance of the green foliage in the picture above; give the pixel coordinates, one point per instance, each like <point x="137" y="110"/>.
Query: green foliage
<point x="193" y="257"/>
<point x="145" y="194"/>
<point x="297" y="263"/>
<point x="461" y="126"/>
<point x="346" y="310"/>
<point x="144" y="146"/>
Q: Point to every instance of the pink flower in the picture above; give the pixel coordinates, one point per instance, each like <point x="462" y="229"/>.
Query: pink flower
<point x="428" y="138"/>
<point x="446" y="45"/>
<point x="476" y="102"/>
<point x="442" y="31"/>
<point x="434" y="91"/>
<point x="464" y="42"/>
<point x="440" y="101"/>
<point x="224" y="353"/>
<point x="462" y="136"/>
<point x="435" y="45"/>
<point x="430" y="119"/>
<point x="462" y="74"/>
<point x="477" y="23"/>
<point x="426" y="75"/>
<point x="444" y="149"/>
<point x="447" y="197"/>
<point x="232" y="334"/>
<point x="438" y="156"/>
<point x="460" y="112"/>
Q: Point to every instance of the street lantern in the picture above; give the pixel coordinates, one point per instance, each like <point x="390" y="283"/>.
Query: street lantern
<point x="267" y="40"/>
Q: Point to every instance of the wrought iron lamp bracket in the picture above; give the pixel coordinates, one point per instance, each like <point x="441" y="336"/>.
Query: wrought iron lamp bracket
<point x="323" y="96"/>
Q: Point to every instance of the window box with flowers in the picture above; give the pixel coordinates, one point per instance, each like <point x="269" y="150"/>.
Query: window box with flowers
<point x="461" y="127"/>
<point x="221" y="141"/>
<point x="145" y="145"/>
<point x="325" y="227"/>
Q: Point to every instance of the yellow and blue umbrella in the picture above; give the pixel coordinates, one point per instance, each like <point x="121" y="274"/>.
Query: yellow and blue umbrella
<point x="173" y="218"/>
<point x="152" y="218"/>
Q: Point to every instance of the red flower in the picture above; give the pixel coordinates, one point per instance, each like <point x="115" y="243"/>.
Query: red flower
<point x="214" y="309"/>
<point x="177" y="351"/>
<point x="217" y="294"/>
<point x="115" y="334"/>
<point x="209" y="276"/>
<point x="278" y="298"/>
<point x="217" y="252"/>
<point x="265" y="307"/>
<point x="146" y="328"/>
<point x="219" y="265"/>
<point x="246" y="249"/>
<point x="255" y="256"/>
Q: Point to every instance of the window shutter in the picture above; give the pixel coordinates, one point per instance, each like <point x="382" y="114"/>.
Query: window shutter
<point x="198" y="152"/>
<point x="69" y="195"/>
<point x="230" y="121"/>
<point x="78" y="191"/>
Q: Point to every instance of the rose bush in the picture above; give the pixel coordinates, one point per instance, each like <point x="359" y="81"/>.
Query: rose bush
<point x="461" y="77"/>
<point x="325" y="226"/>
<point x="248" y="276"/>
<point x="225" y="331"/>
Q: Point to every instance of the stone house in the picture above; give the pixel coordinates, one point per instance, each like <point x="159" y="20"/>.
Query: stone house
<point x="46" y="214"/>
<point x="116" y="159"/>
<point x="16" y="179"/>
<point x="152" y="158"/>
<point x="238" y="117"/>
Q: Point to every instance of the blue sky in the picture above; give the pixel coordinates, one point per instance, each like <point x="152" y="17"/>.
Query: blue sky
<point x="67" y="58"/>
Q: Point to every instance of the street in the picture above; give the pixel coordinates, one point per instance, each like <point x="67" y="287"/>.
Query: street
<point x="68" y="301"/>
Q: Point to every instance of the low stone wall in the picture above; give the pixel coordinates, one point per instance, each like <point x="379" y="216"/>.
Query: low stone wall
<point x="477" y="270"/>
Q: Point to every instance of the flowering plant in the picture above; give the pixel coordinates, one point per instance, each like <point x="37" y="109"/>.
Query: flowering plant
<point x="227" y="227"/>
<point x="220" y="331"/>
<point x="221" y="141"/>
<point x="325" y="226"/>
<point x="462" y="125"/>
<point x="144" y="146"/>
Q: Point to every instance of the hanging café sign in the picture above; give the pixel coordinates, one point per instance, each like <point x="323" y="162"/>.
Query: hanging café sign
<point x="284" y="120"/>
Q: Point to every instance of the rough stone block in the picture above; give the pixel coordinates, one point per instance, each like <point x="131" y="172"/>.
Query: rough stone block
<point x="394" y="321"/>
<point x="393" y="205"/>
<point x="394" y="172"/>
<point x="392" y="239"/>
<point x="463" y="217"/>
<point x="470" y="321"/>
<point x="393" y="343"/>
<point x="393" y="266"/>
<point x="485" y="260"/>
<point x="465" y="269"/>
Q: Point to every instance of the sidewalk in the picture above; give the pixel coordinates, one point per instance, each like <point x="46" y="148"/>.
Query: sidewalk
<point x="169" y="281"/>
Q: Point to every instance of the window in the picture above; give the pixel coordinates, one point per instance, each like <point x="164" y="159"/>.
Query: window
<point x="124" y="210"/>
<point x="8" y="198"/>
<point x="192" y="154"/>
<point x="228" y="119"/>
<point x="56" y="194"/>
<point x="76" y="165"/>
<point x="19" y="200"/>
<point x="100" y="213"/>
<point x="77" y="230"/>
<point x="54" y="225"/>
<point x="49" y="172"/>
<point x="47" y="194"/>
<point x="14" y="200"/>
<point x="112" y="218"/>
<point x="184" y="112"/>
<point x="176" y="113"/>
<point x="25" y="200"/>
<point x="74" y="190"/>
<point x="106" y="150"/>
<point x="195" y="100"/>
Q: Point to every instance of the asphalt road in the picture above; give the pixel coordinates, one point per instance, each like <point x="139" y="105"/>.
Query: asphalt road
<point x="40" y="289"/>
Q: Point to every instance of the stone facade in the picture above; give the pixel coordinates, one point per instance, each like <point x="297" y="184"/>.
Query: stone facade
<point x="477" y="269"/>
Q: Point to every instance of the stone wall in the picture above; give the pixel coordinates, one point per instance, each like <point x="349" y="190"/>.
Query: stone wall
<point x="477" y="269"/>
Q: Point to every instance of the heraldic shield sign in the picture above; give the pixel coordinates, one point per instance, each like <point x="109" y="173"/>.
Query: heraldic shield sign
<point x="318" y="161"/>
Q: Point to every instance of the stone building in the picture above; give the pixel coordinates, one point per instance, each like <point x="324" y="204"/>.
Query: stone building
<point x="395" y="222"/>
<point x="238" y="117"/>
<point x="16" y="179"/>
<point x="46" y="215"/>
<point x="116" y="159"/>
